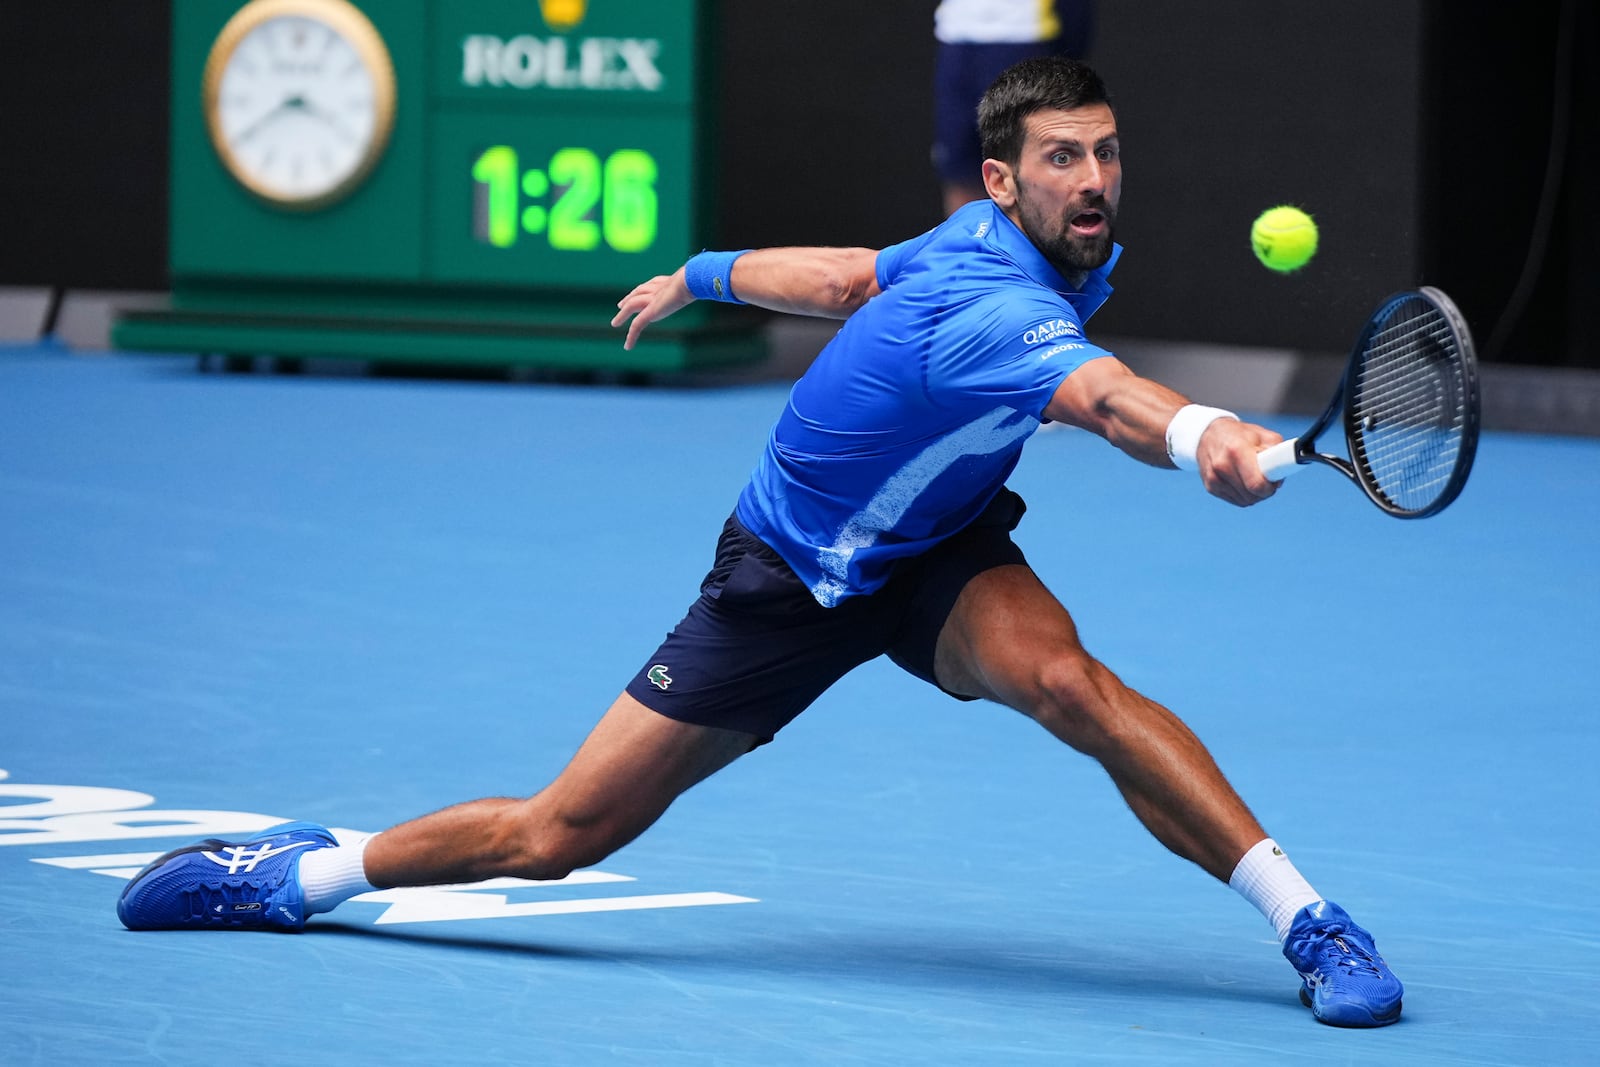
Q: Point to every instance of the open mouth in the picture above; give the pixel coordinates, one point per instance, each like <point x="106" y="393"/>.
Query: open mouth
<point x="1088" y="223"/>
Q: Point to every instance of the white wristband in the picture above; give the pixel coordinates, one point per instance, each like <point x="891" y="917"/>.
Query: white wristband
<point x="1186" y="429"/>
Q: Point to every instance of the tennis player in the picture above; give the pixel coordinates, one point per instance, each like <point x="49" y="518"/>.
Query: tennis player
<point x="877" y="522"/>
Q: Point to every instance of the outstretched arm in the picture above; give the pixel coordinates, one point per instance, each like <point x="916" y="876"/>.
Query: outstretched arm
<point x="1134" y="413"/>
<point x="826" y="282"/>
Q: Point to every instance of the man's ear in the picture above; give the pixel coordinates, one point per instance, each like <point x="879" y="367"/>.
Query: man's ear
<point x="1000" y="181"/>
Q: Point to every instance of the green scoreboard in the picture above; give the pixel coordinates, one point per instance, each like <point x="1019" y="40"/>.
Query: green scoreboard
<point x="467" y="181"/>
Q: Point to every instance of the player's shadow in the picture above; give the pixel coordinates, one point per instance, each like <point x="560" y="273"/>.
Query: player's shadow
<point x="944" y="959"/>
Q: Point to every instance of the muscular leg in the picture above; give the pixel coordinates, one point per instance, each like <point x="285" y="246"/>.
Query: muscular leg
<point x="633" y="765"/>
<point x="1009" y="640"/>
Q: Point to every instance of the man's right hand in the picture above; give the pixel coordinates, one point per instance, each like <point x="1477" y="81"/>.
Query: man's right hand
<point x="1228" y="464"/>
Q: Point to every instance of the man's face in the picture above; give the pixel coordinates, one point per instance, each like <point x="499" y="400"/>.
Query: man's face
<point x="1063" y="192"/>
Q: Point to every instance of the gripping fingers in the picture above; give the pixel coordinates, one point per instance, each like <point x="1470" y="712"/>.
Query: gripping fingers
<point x="1241" y="487"/>
<point x="1228" y="464"/>
<point x="1252" y="480"/>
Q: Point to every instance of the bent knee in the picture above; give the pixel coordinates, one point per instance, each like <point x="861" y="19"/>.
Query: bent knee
<point x="1075" y="698"/>
<point x="545" y="845"/>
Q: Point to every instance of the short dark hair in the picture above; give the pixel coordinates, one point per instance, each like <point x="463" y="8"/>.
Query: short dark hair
<point x="1053" y="83"/>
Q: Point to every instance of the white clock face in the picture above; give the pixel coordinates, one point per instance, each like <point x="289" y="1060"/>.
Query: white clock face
<point x="299" y="113"/>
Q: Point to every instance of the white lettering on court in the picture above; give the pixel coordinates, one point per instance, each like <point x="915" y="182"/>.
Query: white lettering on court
<point x="39" y="814"/>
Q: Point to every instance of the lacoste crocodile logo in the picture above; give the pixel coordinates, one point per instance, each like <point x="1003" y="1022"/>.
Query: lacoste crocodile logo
<point x="658" y="677"/>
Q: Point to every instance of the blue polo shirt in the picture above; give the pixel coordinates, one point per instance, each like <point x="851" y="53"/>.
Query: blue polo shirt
<point x="910" y="420"/>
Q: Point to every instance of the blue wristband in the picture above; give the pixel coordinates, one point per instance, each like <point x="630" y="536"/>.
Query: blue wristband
<point x="710" y="276"/>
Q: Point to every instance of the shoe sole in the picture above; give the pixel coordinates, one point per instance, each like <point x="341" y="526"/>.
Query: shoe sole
<point x="1368" y="1019"/>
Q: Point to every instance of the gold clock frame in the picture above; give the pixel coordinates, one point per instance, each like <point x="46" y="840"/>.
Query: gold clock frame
<point x="350" y="23"/>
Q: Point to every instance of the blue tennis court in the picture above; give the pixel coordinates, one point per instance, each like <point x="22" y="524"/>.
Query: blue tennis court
<point x="230" y="600"/>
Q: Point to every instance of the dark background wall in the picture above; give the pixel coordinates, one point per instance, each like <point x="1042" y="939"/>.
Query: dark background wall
<point x="1420" y="133"/>
<point x="83" y="143"/>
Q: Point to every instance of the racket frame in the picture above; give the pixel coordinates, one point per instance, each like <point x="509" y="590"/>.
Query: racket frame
<point x="1342" y="406"/>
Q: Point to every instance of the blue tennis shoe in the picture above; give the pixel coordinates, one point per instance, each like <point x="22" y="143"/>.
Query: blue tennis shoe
<point x="254" y="883"/>
<point x="1343" y="979"/>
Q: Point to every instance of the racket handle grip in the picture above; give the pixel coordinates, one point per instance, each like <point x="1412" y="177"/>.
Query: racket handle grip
<point x="1278" y="462"/>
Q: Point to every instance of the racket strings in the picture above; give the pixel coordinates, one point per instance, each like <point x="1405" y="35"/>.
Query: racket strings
<point x="1409" y="408"/>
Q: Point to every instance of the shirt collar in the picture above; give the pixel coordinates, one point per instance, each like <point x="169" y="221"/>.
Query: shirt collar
<point x="1085" y="300"/>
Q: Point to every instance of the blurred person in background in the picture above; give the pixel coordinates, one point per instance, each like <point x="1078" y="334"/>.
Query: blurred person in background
<point x="977" y="39"/>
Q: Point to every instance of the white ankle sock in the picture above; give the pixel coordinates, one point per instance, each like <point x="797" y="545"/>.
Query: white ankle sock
<point x="331" y="876"/>
<point x="1267" y="879"/>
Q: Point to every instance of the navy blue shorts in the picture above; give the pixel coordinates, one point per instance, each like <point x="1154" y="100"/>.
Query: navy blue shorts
<point x="756" y="648"/>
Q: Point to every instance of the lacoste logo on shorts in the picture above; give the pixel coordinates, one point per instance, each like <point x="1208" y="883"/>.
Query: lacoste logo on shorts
<point x="658" y="676"/>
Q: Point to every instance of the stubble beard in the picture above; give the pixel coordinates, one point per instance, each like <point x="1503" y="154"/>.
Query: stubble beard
<point x="1072" y="255"/>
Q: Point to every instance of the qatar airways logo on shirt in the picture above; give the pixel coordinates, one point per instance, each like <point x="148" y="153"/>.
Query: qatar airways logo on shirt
<point x="1053" y="330"/>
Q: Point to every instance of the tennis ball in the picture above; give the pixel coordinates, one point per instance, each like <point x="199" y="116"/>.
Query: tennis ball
<point x="1284" y="238"/>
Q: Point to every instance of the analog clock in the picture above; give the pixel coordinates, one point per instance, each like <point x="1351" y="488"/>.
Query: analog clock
<point x="299" y="98"/>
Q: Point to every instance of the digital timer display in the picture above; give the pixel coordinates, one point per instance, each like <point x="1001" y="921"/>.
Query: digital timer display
<point x="561" y="201"/>
<point x="576" y="202"/>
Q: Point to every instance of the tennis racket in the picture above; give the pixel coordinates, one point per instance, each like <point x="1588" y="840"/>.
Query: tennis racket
<point x="1409" y="403"/>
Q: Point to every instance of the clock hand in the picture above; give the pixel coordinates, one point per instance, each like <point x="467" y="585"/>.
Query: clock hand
<point x="289" y="103"/>
<point x="328" y="119"/>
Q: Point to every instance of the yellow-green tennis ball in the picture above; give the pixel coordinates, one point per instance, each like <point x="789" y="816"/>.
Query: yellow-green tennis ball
<point x="1284" y="239"/>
